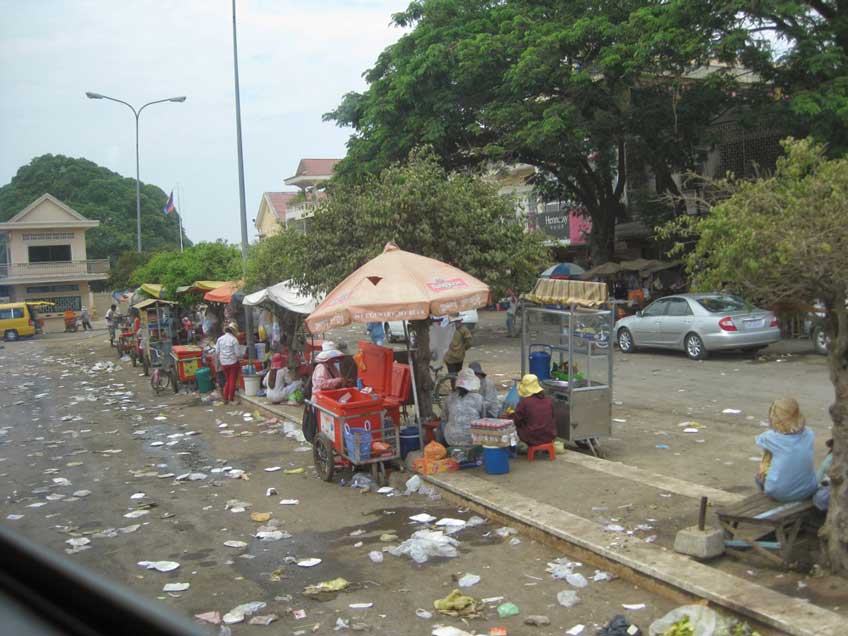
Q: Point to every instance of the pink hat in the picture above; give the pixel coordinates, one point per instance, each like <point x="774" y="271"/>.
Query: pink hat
<point x="277" y="361"/>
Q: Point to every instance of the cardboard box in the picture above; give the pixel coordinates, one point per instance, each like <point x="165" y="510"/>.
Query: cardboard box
<point x="434" y="466"/>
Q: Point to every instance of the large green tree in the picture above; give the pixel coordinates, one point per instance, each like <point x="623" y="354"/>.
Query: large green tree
<point x="573" y="88"/>
<point x="204" y="261"/>
<point x="785" y="238"/>
<point x="455" y="218"/>
<point x="99" y="194"/>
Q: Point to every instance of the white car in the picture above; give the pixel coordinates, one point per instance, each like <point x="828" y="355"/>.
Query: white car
<point x="394" y="328"/>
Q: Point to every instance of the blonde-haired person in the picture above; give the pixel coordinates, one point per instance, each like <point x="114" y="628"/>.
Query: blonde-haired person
<point x="787" y="471"/>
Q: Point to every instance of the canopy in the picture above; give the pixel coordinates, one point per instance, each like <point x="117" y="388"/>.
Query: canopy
<point x="223" y="293"/>
<point x="607" y="269"/>
<point x="398" y="285"/>
<point x="152" y="289"/>
<point x="638" y="265"/>
<point x="152" y="301"/>
<point x="284" y="295"/>
<point x="563" y="270"/>
<point x="567" y="292"/>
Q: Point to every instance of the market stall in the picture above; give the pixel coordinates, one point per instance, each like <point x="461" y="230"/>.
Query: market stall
<point x="396" y="285"/>
<point x="156" y="335"/>
<point x="566" y="343"/>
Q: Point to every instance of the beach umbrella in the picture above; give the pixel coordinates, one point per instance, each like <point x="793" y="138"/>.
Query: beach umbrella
<point x="563" y="270"/>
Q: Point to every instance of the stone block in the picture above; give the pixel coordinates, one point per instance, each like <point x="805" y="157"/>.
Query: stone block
<point x="701" y="544"/>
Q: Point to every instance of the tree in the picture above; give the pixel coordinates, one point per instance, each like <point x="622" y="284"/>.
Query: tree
<point x="572" y="88"/>
<point x="785" y="238"/>
<point x="454" y="218"/>
<point x="123" y="268"/>
<point x="204" y="261"/>
<point x="99" y="194"/>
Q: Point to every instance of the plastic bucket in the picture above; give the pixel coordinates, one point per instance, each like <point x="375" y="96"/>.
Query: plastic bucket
<point x="540" y="362"/>
<point x="409" y="440"/>
<point x="495" y="460"/>
<point x="251" y="385"/>
<point x="203" y="377"/>
<point x="259" y="348"/>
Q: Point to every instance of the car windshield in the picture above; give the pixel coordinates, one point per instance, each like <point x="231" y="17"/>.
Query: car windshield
<point x="723" y="304"/>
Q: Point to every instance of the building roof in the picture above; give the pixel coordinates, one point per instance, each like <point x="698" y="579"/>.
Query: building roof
<point x="32" y="218"/>
<point x="316" y="167"/>
<point x="279" y="201"/>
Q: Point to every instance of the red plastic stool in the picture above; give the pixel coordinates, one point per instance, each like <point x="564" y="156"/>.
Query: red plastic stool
<point x="430" y="431"/>
<point x="549" y="447"/>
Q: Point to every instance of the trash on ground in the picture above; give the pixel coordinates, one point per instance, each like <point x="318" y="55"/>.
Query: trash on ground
<point x="362" y="481"/>
<point x="270" y="492"/>
<point x="633" y="606"/>
<point x="272" y="535"/>
<point x="376" y="556"/>
<point x="731" y="411"/>
<point x="235" y="544"/>
<point x="361" y="605"/>
<point x="505" y="610"/>
<point x="600" y="575"/>
<point x="423" y="518"/>
<point x="422" y="613"/>
<point x="424" y="544"/>
<point x="449" y="630"/>
<point x="289" y="502"/>
<point x="620" y="626"/>
<point x="692" y="620"/>
<point x="240" y="612"/>
<point x="505" y="531"/>
<point x="467" y="580"/>
<point x="176" y="587"/>
<point x="273" y="469"/>
<point x="326" y="590"/>
<point x="159" y="566"/>
<point x="265" y="619"/>
<point x="293" y="471"/>
<point x="568" y="598"/>
<point x="209" y="617"/>
<point x="413" y="484"/>
<point x="576" y="630"/>
<point x="538" y="620"/>
<point x="457" y="604"/>
<point x="385" y="490"/>
<point x="309" y="563"/>
<point x="575" y="579"/>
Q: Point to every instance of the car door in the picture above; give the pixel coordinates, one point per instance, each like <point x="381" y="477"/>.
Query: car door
<point x="676" y="322"/>
<point x="646" y="328"/>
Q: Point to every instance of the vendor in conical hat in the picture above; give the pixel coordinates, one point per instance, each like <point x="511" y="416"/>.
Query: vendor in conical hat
<point x="534" y="415"/>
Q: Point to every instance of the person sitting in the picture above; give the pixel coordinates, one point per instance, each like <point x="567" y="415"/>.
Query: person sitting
<point x="786" y="470"/>
<point x="487" y="390"/>
<point x="821" y="499"/>
<point x="534" y="415"/>
<point x="278" y="382"/>
<point x="463" y="406"/>
<point x="327" y="374"/>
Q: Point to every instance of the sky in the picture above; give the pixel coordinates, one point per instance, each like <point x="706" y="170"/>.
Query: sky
<point x="297" y="58"/>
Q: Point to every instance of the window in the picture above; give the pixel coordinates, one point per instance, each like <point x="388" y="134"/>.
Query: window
<point x="723" y="304"/>
<point x="655" y="309"/>
<point x="11" y="312"/>
<point x="62" y="303"/>
<point x="47" y="236"/>
<point x="678" y="307"/>
<point x="49" y="253"/>
<point x="52" y="289"/>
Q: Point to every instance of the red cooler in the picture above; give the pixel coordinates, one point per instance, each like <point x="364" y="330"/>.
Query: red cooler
<point x="360" y="410"/>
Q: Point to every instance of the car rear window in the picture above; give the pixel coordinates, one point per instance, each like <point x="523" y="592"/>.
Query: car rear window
<point x="723" y="304"/>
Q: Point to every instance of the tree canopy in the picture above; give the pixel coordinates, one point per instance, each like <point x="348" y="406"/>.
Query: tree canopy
<point x="98" y="194"/>
<point x="785" y="238"/>
<point x="572" y="88"/>
<point x="204" y="261"/>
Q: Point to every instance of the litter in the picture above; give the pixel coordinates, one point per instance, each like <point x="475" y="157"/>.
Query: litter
<point x="422" y="613"/>
<point x="235" y="544"/>
<point x="505" y="610"/>
<point x="299" y="614"/>
<point x="633" y="606"/>
<point x="289" y="502"/>
<point x="424" y="544"/>
<point x="449" y="630"/>
<point x="413" y="484"/>
<point x="137" y="495"/>
<point x="265" y="619"/>
<point x="272" y="535"/>
<point x="176" y="587"/>
<point x="662" y="446"/>
<point x="14" y="517"/>
<point x="159" y="566"/>
<point x="273" y="469"/>
<point x="691" y="430"/>
<point x="475" y="521"/>
<point x="468" y="580"/>
<point x="600" y="575"/>
<point x="82" y="493"/>
<point x="293" y="471"/>
<point x="385" y="490"/>
<point x="576" y="630"/>
<point x="620" y="626"/>
<point x="388" y="537"/>
<point x="362" y="481"/>
<point x="515" y="541"/>
<point x="619" y="420"/>
<point x="376" y="556"/>
<point x="326" y="587"/>
<point x="209" y="617"/>
<point x="191" y="477"/>
<point x="731" y="411"/>
<point x="568" y="598"/>
<point x="457" y="604"/>
<point x="309" y="563"/>
<point x="135" y="514"/>
<point x="491" y="600"/>
<point x="538" y="620"/>
<point x="270" y="492"/>
<point x="361" y="605"/>
<point x="240" y="612"/>
<point x="423" y="518"/>
<point x="260" y="517"/>
<point x="505" y="531"/>
<point x="61" y="481"/>
<point x="576" y="579"/>
<point x="451" y="523"/>
<point x="697" y="620"/>
<point x="78" y="542"/>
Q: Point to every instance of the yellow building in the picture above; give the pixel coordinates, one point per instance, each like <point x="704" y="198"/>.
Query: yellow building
<point x="272" y="212"/>
<point x="45" y="258"/>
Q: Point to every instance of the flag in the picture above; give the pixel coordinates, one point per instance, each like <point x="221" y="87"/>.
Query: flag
<point x="169" y="204"/>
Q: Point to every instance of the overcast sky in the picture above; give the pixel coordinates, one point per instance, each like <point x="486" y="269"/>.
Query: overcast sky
<point x="296" y="60"/>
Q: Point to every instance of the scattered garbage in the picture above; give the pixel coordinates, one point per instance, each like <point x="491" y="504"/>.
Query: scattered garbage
<point x="449" y="630"/>
<point x="270" y="492"/>
<point x="260" y="517"/>
<point x="385" y="490"/>
<point x="620" y="626"/>
<point x="159" y="566"/>
<point x="467" y="580"/>
<point x="358" y="606"/>
<point x="731" y="411"/>
<point x="176" y="587"/>
<point x="326" y="590"/>
<point x="576" y="630"/>
<point x="538" y="620"/>
<point x="235" y="544"/>
<point x="691" y="620"/>
<point x="423" y="518"/>
<point x="413" y="484"/>
<point x="362" y="482"/>
<point x="600" y="575"/>
<point x="505" y="610"/>
<point x="265" y="619"/>
<point x="575" y="579"/>
<point x="240" y="612"/>
<point x="422" y="613"/>
<point x="505" y="532"/>
<point x="376" y="556"/>
<point x="457" y="604"/>
<point x="289" y="502"/>
<point x="309" y="563"/>
<point x="425" y="544"/>
<point x="209" y="617"/>
<point x="568" y="598"/>
<point x="272" y="535"/>
<point x="273" y="469"/>
<point x="633" y="606"/>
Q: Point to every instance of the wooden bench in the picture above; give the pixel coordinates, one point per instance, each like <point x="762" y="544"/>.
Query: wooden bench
<point x="750" y="520"/>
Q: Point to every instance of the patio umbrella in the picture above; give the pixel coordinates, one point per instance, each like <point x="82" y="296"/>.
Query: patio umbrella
<point x="399" y="285"/>
<point x="562" y="270"/>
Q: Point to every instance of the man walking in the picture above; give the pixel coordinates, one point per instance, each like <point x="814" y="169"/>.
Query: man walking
<point x="86" y="319"/>
<point x="111" y="316"/>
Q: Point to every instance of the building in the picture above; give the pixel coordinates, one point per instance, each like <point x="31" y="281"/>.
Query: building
<point x="272" y="212"/>
<point x="45" y="258"/>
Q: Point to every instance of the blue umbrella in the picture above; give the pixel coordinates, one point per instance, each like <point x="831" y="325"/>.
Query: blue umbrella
<point x="563" y="270"/>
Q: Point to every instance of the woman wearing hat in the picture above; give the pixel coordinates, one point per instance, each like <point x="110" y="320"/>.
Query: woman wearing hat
<point x="278" y="382"/>
<point x="461" y="342"/>
<point x="327" y="374"/>
<point x="787" y="471"/>
<point x="463" y="406"/>
<point x="534" y="415"/>
<point x="227" y="352"/>
<point x="491" y="403"/>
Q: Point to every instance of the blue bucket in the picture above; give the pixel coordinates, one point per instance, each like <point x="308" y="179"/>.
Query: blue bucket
<point x="540" y="362"/>
<point x="357" y="441"/>
<point x="495" y="460"/>
<point x="409" y="440"/>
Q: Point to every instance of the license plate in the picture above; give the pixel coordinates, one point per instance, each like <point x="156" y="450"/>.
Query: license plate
<point x="758" y="323"/>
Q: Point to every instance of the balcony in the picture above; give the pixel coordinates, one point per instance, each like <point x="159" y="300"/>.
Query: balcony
<point x="55" y="270"/>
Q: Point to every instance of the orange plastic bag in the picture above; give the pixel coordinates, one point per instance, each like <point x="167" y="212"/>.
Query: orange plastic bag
<point x="434" y="450"/>
<point x="380" y="448"/>
<point x="360" y="362"/>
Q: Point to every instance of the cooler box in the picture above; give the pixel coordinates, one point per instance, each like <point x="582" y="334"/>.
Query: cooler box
<point x="379" y="374"/>
<point x="361" y="410"/>
<point x="187" y="358"/>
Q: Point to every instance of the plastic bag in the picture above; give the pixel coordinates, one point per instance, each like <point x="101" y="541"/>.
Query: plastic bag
<point x="434" y="450"/>
<point x="511" y="399"/>
<point x="704" y="621"/>
<point x="363" y="481"/>
<point x="425" y="544"/>
<point x="620" y="626"/>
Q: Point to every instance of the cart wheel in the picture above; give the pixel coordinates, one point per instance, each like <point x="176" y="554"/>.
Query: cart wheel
<point x="159" y="380"/>
<point x="175" y="381"/>
<point x="322" y="454"/>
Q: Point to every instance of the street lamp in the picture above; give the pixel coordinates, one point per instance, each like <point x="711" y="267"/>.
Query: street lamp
<point x="137" y="114"/>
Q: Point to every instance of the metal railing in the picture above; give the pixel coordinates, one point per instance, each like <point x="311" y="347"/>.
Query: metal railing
<point x="55" y="268"/>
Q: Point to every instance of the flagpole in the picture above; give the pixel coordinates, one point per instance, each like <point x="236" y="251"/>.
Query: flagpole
<point x="180" y="216"/>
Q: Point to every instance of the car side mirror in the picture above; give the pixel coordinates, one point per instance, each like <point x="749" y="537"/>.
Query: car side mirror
<point x="639" y="314"/>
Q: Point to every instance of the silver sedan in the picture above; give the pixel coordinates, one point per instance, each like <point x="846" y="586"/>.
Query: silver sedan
<point x="698" y="324"/>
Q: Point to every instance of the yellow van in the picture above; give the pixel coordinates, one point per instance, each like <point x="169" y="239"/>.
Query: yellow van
<point x="16" y="320"/>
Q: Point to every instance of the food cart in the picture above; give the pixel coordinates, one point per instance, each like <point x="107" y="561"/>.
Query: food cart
<point x="185" y="360"/>
<point x="157" y="337"/>
<point x="566" y="342"/>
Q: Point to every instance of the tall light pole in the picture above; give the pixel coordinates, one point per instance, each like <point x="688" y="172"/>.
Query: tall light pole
<point x="137" y="114"/>
<point x="248" y="328"/>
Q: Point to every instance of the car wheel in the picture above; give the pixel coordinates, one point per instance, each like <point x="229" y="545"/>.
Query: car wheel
<point x="625" y="341"/>
<point x="10" y="335"/>
<point x="821" y="341"/>
<point x="695" y="347"/>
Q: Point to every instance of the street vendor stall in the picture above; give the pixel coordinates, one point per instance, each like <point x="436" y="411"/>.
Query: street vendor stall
<point x="396" y="285"/>
<point x="157" y="337"/>
<point x="565" y="342"/>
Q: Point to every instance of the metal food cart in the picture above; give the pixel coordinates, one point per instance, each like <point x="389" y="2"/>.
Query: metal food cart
<point x="566" y="341"/>
<point x="157" y="338"/>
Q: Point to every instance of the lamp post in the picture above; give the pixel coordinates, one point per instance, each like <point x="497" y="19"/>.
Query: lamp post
<point x="137" y="114"/>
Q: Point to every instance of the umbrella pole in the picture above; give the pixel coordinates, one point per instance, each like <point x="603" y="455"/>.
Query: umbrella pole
<point x="411" y="361"/>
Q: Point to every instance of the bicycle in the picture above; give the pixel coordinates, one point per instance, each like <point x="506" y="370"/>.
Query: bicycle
<point x="160" y="379"/>
<point x="443" y="384"/>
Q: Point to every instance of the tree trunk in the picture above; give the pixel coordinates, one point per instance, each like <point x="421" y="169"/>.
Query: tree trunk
<point x="423" y="379"/>
<point x="836" y="528"/>
<point x="602" y="235"/>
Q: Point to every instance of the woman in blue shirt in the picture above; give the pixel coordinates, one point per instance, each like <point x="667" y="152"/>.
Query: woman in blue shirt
<point x="787" y="471"/>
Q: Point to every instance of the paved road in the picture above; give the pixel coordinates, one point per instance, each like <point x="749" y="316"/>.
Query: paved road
<point x="68" y="425"/>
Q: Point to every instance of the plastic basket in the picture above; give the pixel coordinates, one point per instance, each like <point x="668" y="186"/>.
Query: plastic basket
<point x="357" y="441"/>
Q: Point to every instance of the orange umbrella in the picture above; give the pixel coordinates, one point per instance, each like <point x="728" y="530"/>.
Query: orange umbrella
<point x="398" y="285"/>
<point x="224" y="293"/>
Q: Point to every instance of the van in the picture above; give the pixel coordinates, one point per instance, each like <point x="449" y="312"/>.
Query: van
<point x="16" y="320"/>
